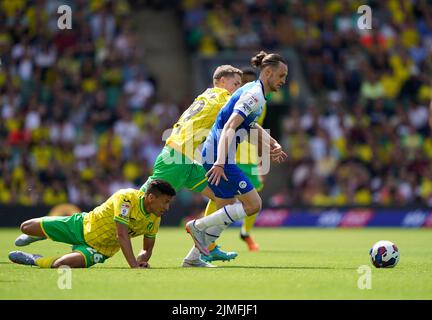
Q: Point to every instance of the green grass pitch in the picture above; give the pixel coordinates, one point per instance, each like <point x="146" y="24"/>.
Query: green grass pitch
<point x="293" y="264"/>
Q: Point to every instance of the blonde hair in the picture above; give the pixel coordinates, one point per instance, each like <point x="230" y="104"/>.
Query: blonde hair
<point x="226" y="70"/>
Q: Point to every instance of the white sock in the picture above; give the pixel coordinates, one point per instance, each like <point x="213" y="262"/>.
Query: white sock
<point x="243" y="230"/>
<point x="193" y="254"/>
<point x="212" y="233"/>
<point x="224" y="216"/>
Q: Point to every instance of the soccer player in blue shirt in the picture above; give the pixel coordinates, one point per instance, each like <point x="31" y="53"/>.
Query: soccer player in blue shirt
<point x="234" y="122"/>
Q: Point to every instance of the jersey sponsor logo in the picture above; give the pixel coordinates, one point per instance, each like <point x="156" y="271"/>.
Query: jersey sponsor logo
<point x="252" y="101"/>
<point x="246" y="107"/>
<point x="242" y="184"/>
<point x="248" y="104"/>
<point x="124" y="210"/>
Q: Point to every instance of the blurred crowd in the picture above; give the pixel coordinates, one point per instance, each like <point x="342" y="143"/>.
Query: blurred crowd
<point x="78" y="114"/>
<point x="362" y="137"/>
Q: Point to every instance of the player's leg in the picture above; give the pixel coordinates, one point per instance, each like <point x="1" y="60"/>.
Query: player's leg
<point x="231" y="211"/>
<point x="170" y="166"/>
<point x="32" y="227"/>
<point x="82" y="256"/>
<point x="200" y="229"/>
<point x="245" y="231"/>
<point x="215" y="253"/>
<point x="225" y="192"/>
<point x="66" y="229"/>
<point x="249" y="204"/>
<point x="248" y="223"/>
<point x="193" y="258"/>
<point x="210" y="208"/>
<point x="197" y="182"/>
<point x="72" y="260"/>
<point x="213" y="233"/>
<point x="207" y="192"/>
<point x="32" y="231"/>
<point x="252" y="172"/>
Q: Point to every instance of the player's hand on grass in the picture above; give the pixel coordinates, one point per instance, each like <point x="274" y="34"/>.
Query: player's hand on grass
<point x="215" y="173"/>
<point x="143" y="264"/>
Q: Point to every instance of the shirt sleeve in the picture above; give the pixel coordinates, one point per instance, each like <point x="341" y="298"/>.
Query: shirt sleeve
<point x="261" y="118"/>
<point x="122" y="209"/>
<point x="152" y="229"/>
<point x="248" y="103"/>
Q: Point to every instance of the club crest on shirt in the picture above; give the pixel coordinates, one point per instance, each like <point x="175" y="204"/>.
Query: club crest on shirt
<point x="124" y="210"/>
<point x="242" y="184"/>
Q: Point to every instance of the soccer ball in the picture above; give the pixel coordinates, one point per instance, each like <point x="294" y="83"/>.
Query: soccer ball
<point x="384" y="254"/>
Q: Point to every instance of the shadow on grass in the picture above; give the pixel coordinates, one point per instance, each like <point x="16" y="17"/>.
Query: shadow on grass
<point x="288" y="251"/>
<point x="286" y="268"/>
<point x="220" y="267"/>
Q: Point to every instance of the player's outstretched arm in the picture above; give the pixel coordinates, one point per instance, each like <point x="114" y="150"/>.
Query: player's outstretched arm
<point x="146" y="252"/>
<point x="126" y="245"/>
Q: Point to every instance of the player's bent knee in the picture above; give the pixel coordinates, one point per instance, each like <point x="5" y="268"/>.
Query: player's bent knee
<point x="253" y="208"/>
<point x="23" y="227"/>
<point x="26" y="226"/>
<point x="32" y="228"/>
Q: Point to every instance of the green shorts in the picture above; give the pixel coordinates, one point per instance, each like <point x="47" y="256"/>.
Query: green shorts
<point x="69" y="230"/>
<point x="178" y="170"/>
<point x="251" y="170"/>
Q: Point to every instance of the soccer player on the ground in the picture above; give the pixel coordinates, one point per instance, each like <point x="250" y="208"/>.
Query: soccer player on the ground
<point x="249" y="167"/>
<point x="97" y="235"/>
<point x="177" y="163"/>
<point x="225" y="178"/>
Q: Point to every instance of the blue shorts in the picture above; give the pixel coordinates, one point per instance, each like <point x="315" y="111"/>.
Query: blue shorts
<point x="238" y="183"/>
